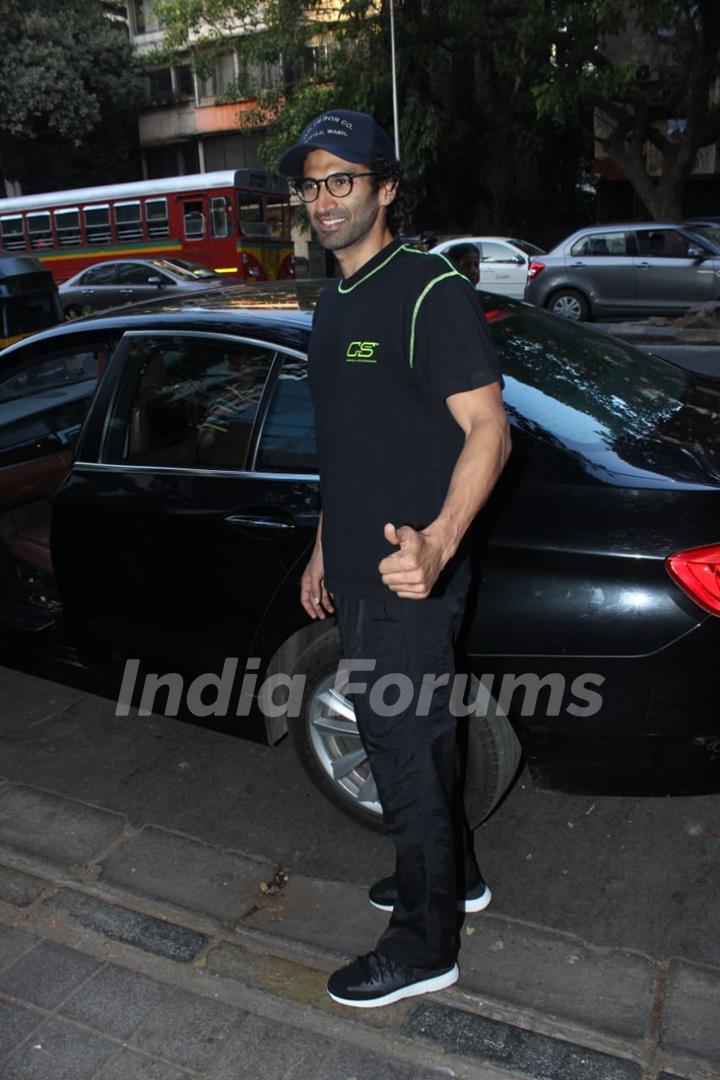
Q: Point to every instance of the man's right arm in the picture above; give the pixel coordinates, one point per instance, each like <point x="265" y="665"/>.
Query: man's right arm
<point x="314" y="597"/>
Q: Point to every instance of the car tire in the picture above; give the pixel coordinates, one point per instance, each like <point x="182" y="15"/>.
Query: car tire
<point x="570" y="304"/>
<point x="328" y="743"/>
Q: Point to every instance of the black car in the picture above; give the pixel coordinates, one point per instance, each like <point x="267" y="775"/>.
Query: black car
<point x="159" y="496"/>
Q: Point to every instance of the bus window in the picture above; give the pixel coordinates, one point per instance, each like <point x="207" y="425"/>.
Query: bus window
<point x="278" y="218"/>
<point x="39" y="229"/>
<point x="127" y="220"/>
<point x="97" y="224"/>
<point x="157" y="217"/>
<point x="13" y="236"/>
<point x="194" y="220"/>
<point x="220" y="216"/>
<point x="251" y="216"/>
<point x="67" y="227"/>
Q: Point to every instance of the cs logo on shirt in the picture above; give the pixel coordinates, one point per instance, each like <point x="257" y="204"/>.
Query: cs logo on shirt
<point x="362" y="352"/>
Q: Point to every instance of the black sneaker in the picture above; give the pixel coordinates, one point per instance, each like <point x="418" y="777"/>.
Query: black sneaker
<point x="373" y="980"/>
<point x="383" y="895"/>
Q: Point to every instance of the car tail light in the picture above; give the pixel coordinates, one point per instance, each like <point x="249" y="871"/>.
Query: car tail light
<point x="496" y="315"/>
<point x="697" y="571"/>
<point x="534" y="269"/>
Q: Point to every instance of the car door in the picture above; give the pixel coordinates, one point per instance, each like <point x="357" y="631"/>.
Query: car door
<point x="134" y="284"/>
<point x="600" y="264"/>
<point x="96" y="289"/>
<point x="502" y="269"/>
<point x="169" y="540"/>
<point x="45" y="393"/>
<point x="668" y="276"/>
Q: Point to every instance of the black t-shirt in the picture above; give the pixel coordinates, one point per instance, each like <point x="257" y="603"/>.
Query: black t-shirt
<point x="388" y="346"/>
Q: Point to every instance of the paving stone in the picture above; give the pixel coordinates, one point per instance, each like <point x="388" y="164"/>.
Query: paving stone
<point x="297" y="982"/>
<point x="116" y="1001"/>
<point x="539" y="969"/>
<point x="18" y="888"/>
<point x="131" y="927"/>
<point x="15" y="1024"/>
<point x="57" y="829"/>
<point x="273" y="1051"/>
<point x="127" y="1065"/>
<point x="26" y="699"/>
<point x="188" y="873"/>
<point x="13" y="943"/>
<point x="353" y="1061"/>
<point x="47" y="975"/>
<point x="330" y="914"/>
<point x="691" y="1017"/>
<point x="86" y="752"/>
<point x="187" y="1030"/>
<point x="58" y="1051"/>
<point x="495" y="1043"/>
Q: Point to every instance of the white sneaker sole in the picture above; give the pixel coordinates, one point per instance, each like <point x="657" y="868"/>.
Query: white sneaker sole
<point x="478" y="903"/>
<point x="425" y="986"/>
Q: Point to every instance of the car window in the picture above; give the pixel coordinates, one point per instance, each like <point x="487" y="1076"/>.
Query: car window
<point x="662" y="244"/>
<point x="138" y="274"/>
<point x="187" y="401"/>
<point x="99" y="275"/>
<point x="528" y="248"/>
<point x="490" y="251"/>
<point x="574" y="387"/>
<point x="609" y="243"/>
<point x="43" y="405"/>
<point x="287" y="443"/>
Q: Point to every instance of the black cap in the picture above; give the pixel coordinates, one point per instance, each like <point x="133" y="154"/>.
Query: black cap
<point x="354" y="136"/>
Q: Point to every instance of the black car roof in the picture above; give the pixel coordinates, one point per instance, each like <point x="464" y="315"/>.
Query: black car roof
<point x="270" y="311"/>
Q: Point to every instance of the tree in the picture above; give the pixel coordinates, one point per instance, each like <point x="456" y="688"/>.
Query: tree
<point x="69" y="85"/>
<point x="650" y="72"/>
<point x="465" y="70"/>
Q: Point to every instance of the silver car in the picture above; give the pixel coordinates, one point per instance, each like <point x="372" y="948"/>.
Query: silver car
<point x="646" y="268"/>
<point x="124" y="281"/>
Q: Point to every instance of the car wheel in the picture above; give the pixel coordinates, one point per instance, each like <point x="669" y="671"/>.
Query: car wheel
<point x="569" y="303"/>
<point x="328" y="744"/>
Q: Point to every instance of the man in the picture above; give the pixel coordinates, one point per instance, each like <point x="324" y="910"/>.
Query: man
<point x="466" y="259"/>
<point x="412" y="436"/>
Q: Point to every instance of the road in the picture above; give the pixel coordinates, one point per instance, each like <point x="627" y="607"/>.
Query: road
<point x="601" y="922"/>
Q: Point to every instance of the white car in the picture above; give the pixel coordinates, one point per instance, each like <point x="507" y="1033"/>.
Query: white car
<point x="504" y="262"/>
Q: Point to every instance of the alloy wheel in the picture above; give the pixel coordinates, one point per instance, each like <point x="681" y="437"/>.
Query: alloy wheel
<point x="335" y="740"/>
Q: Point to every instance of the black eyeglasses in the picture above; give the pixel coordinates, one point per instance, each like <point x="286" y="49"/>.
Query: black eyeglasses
<point x="339" y="185"/>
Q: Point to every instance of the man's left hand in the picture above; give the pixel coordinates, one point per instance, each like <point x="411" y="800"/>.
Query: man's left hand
<point x="412" y="571"/>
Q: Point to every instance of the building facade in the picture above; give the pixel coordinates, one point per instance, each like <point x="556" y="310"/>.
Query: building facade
<point x="191" y="124"/>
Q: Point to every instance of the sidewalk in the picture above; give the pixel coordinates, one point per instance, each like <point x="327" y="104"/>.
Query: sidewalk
<point x="144" y="953"/>
<point x="90" y="908"/>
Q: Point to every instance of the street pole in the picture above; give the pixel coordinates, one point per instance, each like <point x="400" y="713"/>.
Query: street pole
<point x="394" y="81"/>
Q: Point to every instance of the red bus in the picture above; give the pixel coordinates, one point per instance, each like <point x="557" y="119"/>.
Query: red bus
<point x="236" y="222"/>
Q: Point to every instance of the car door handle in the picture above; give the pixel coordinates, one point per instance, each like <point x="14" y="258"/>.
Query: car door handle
<point x="126" y="292"/>
<point x="643" y="265"/>
<point x="266" y="522"/>
<point x="577" y="264"/>
<point x="86" y="292"/>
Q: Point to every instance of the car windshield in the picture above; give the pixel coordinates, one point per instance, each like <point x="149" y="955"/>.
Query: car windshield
<point x="528" y="248"/>
<point x="193" y="270"/>
<point x="708" y="232"/>
<point x="581" y="387"/>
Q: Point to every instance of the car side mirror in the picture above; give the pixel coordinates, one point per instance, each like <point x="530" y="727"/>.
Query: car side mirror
<point x="694" y="251"/>
<point x="155" y="280"/>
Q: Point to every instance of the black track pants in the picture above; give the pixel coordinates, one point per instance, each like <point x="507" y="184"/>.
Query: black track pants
<point x="414" y="762"/>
